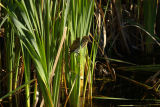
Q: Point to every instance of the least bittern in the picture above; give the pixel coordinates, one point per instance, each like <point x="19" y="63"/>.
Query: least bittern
<point x="76" y="44"/>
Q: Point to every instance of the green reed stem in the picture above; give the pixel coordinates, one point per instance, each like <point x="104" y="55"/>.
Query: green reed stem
<point x="9" y="57"/>
<point x="149" y="21"/>
<point x="26" y="59"/>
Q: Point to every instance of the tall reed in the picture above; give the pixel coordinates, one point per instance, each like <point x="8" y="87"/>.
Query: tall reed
<point x="40" y="27"/>
<point x="149" y="22"/>
<point x="79" y="22"/>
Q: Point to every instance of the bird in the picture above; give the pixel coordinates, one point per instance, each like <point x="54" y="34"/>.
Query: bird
<point x="74" y="48"/>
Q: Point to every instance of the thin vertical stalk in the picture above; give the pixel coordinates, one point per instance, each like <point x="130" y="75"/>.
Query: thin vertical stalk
<point x="9" y="59"/>
<point x="16" y="63"/>
<point x="149" y="21"/>
<point x="0" y="62"/>
<point x="1" y="43"/>
<point x="47" y="36"/>
<point x="16" y="67"/>
<point x="138" y="9"/>
<point x="26" y="59"/>
<point x="36" y="94"/>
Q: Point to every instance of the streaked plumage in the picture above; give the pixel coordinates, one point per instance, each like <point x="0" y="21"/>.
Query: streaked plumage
<point x="76" y="44"/>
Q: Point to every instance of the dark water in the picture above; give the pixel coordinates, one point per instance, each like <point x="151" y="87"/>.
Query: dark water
<point x="120" y="103"/>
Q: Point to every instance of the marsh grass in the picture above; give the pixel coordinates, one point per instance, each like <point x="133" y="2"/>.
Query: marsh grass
<point x="39" y="27"/>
